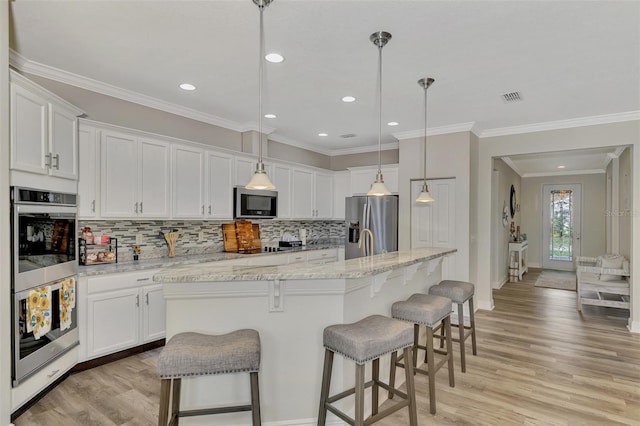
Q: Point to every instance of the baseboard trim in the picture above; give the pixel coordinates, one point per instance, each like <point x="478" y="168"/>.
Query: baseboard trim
<point x="92" y="363"/>
<point x="634" y="326"/>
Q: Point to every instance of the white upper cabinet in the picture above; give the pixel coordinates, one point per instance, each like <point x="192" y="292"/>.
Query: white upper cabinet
<point x="118" y="177"/>
<point x="88" y="172"/>
<point x="363" y="177"/>
<point x="281" y="178"/>
<point x="188" y="182"/>
<point x="244" y="167"/>
<point x="134" y="176"/>
<point x="312" y="194"/>
<point x="323" y="195"/>
<point x="341" y="190"/>
<point x="44" y="131"/>
<point x="153" y="179"/>
<point x="219" y="186"/>
<point x="302" y="194"/>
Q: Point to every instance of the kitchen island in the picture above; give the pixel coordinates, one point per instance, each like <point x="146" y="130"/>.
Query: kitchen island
<point x="289" y="305"/>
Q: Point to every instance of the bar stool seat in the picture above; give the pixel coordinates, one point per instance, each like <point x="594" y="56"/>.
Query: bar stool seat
<point x="364" y="341"/>
<point x="460" y="292"/>
<point x="188" y="355"/>
<point x="429" y="311"/>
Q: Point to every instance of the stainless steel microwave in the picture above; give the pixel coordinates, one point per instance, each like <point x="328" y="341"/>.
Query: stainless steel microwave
<point x="254" y="204"/>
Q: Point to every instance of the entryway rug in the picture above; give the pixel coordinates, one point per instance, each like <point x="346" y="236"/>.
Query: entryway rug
<point x="562" y="280"/>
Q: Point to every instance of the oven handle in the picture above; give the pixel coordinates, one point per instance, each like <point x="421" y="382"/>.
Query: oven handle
<point x="68" y="211"/>
<point x="55" y="286"/>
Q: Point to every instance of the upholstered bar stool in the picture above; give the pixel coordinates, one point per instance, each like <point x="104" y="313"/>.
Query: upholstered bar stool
<point x="460" y="292"/>
<point x="364" y="341"/>
<point x="430" y="311"/>
<point x="188" y="355"/>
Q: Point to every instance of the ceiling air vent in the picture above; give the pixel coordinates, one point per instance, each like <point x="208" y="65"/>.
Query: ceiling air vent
<point x="348" y="135"/>
<point x="512" y="97"/>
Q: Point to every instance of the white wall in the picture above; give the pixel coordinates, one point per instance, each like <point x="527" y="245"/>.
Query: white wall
<point x="592" y="235"/>
<point x="449" y="157"/>
<point x="5" y="245"/>
<point x="624" y="212"/>
<point x="614" y="134"/>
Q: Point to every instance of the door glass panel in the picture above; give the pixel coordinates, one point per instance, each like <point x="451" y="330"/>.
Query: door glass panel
<point x="561" y="225"/>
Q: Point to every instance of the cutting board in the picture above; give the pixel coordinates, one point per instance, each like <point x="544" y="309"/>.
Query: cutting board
<point x="242" y="237"/>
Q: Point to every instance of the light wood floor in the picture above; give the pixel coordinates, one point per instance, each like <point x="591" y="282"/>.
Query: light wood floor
<point x="539" y="363"/>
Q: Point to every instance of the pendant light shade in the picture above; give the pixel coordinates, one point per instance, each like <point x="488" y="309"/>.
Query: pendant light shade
<point x="379" y="38"/>
<point x="425" y="196"/>
<point x="260" y="180"/>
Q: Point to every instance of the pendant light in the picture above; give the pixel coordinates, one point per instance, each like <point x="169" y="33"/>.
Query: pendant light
<point x="425" y="196"/>
<point x="379" y="38"/>
<point x="260" y="180"/>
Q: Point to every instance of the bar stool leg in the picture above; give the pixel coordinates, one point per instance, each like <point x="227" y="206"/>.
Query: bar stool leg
<point x="359" y="407"/>
<point x="473" y="326"/>
<point x="175" y="402"/>
<point x="392" y="372"/>
<point x="431" y="370"/>
<point x="255" y="399"/>
<point x="416" y="336"/>
<point x="461" y="334"/>
<point x="326" y="384"/>
<point x="165" y="395"/>
<point x="375" y="376"/>
<point x="447" y="327"/>
<point x="411" y="389"/>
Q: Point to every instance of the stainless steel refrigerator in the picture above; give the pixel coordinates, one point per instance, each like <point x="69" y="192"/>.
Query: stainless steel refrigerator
<point x="377" y="214"/>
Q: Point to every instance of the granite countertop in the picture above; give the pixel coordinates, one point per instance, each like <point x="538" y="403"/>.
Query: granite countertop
<point x="352" y="268"/>
<point x="166" y="262"/>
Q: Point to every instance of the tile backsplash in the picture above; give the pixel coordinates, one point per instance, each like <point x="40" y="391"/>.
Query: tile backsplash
<point x="153" y="244"/>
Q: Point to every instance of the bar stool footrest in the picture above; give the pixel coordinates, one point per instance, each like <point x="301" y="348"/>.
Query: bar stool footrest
<point x="216" y="410"/>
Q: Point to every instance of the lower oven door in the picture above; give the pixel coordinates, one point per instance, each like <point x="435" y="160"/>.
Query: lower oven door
<point x="45" y="326"/>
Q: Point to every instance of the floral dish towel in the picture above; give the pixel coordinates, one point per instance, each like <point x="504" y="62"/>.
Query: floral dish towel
<point x="67" y="302"/>
<point x="39" y="311"/>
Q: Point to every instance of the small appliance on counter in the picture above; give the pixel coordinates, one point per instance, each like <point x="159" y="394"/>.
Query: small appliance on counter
<point x="242" y="236"/>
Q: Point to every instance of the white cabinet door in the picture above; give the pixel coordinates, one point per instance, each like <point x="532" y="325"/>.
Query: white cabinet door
<point x="153" y="179"/>
<point x="63" y="132"/>
<point x="118" y="175"/>
<point x="219" y="186"/>
<point x="341" y="190"/>
<point x="302" y="194"/>
<point x="323" y="200"/>
<point x="282" y="180"/>
<point x="362" y="178"/>
<point x="188" y="182"/>
<point x="245" y="168"/>
<point x="88" y="170"/>
<point x="434" y="224"/>
<point x="153" y="313"/>
<point x="29" y="131"/>
<point x="113" y="321"/>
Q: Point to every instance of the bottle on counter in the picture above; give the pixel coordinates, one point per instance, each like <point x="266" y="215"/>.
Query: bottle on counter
<point x="303" y="236"/>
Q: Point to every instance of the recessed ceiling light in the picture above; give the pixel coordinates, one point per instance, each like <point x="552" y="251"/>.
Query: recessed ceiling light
<point x="270" y="116"/>
<point x="561" y="167"/>
<point x="275" y="58"/>
<point x="348" y="99"/>
<point x="323" y="134"/>
<point x="187" y="86"/>
<point x="392" y="123"/>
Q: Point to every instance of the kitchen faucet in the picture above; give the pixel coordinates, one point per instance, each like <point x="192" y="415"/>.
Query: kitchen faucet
<point x="368" y="231"/>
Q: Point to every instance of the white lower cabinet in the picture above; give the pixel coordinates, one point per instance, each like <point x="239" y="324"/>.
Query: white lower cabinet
<point x="123" y="311"/>
<point x="319" y="257"/>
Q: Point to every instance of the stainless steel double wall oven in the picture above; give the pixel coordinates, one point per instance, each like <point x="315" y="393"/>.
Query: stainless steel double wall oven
<point x="44" y="268"/>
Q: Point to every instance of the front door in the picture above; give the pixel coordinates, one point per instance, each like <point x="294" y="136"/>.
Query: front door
<point x="561" y="229"/>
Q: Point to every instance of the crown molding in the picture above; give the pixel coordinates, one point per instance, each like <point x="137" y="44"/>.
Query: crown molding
<point x="509" y="162"/>
<point x="25" y="65"/>
<point x="568" y="173"/>
<point x="362" y="149"/>
<point x="562" y="124"/>
<point x="288" y="141"/>
<point x="433" y="131"/>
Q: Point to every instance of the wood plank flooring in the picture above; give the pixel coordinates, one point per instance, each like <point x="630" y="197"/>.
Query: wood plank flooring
<point x="539" y="362"/>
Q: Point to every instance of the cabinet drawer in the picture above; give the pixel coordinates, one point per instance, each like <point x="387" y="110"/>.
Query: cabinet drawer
<point x="120" y="281"/>
<point x="327" y="255"/>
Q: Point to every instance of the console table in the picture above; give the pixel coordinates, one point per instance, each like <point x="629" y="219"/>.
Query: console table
<point x="519" y="252"/>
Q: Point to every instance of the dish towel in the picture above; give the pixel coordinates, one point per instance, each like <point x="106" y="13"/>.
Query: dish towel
<point x="39" y="311"/>
<point x="67" y="302"/>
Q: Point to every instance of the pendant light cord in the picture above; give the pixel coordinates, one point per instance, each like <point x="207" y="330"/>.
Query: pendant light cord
<point x="424" y="170"/>
<point x="380" y="109"/>
<point x="261" y="7"/>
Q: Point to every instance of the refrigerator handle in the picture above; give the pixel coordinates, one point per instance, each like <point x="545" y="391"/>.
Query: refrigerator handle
<point x="363" y="225"/>
<point x="369" y="228"/>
